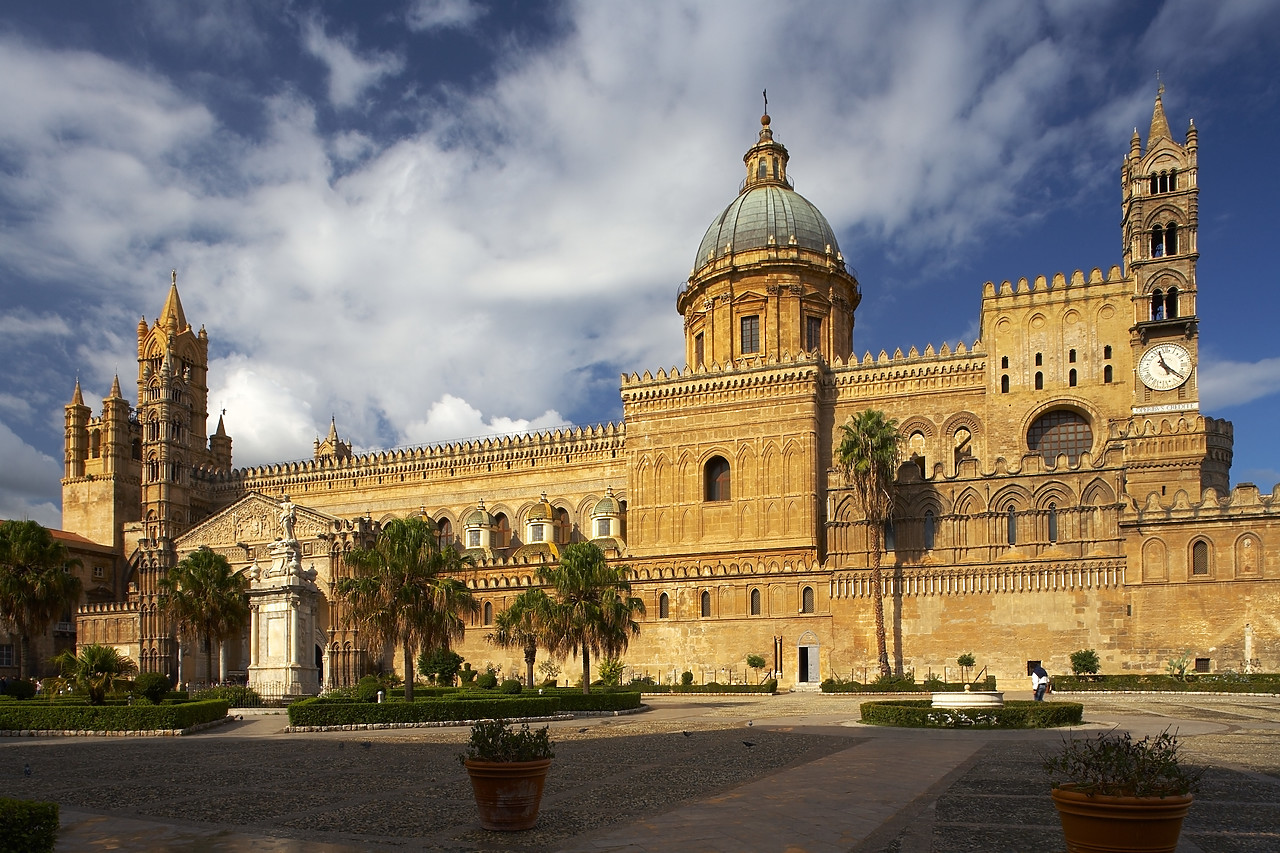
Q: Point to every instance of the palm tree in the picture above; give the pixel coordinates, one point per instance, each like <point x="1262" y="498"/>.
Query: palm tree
<point x="36" y="584"/>
<point x="594" y="610"/>
<point x="868" y="453"/>
<point x="206" y="600"/>
<point x="97" y="669"/>
<point x="403" y="590"/>
<point x="524" y="626"/>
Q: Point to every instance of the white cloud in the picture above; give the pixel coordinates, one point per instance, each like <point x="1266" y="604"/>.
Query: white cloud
<point x="349" y="73"/>
<point x="443" y="14"/>
<point x="268" y="414"/>
<point x="1231" y="383"/>
<point x="28" y="481"/>
<point x="452" y="419"/>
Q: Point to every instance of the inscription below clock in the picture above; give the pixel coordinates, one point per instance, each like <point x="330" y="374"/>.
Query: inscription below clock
<point x="1164" y="367"/>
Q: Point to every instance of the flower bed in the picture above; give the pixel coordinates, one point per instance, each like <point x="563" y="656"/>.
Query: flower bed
<point x="920" y="714"/>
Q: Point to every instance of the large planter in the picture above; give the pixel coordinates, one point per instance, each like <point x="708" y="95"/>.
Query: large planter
<point x="508" y="793"/>
<point x="975" y="699"/>
<point x="1095" y="823"/>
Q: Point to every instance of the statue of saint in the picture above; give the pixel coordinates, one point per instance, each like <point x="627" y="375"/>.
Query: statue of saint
<point x="288" y="515"/>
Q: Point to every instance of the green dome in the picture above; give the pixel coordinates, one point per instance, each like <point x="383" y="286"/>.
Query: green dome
<point x="766" y="215"/>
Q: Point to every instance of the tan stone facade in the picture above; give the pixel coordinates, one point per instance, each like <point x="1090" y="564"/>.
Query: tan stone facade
<point x="1060" y="488"/>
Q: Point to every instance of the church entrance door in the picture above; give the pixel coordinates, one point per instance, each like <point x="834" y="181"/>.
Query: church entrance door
<point x="807" y="648"/>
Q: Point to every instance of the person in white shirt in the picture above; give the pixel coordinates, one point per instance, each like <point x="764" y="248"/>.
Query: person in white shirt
<point x="1039" y="682"/>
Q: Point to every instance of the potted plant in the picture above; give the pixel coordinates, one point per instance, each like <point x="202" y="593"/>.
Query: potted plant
<point x="508" y="768"/>
<point x="1114" y="793"/>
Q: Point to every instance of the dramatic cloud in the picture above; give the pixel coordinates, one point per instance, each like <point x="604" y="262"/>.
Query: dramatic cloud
<point x="349" y="73"/>
<point x="24" y="481"/>
<point x="443" y="14"/>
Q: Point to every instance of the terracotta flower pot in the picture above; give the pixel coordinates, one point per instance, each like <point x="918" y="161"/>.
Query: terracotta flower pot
<point x="1100" y="824"/>
<point x="508" y="793"/>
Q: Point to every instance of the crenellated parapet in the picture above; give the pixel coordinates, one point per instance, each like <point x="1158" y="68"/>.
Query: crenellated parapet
<point x="1187" y="424"/>
<point x="1009" y="294"/>
<point x="1243" y="501"/>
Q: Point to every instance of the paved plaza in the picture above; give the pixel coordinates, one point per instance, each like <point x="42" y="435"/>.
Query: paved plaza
<point x="789" y="773"/>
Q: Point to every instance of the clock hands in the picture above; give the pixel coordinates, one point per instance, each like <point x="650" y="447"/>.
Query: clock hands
<point x="1167" y="368"/>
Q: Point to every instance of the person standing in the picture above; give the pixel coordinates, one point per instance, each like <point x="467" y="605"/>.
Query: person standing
<point x="1039" y="682"/>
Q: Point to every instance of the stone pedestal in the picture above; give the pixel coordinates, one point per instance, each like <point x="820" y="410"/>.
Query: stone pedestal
<point x="282" y="602"/>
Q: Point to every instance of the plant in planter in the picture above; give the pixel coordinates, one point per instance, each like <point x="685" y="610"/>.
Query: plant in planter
<point x="508" y="768"/>
<point x="1119" y="794"/>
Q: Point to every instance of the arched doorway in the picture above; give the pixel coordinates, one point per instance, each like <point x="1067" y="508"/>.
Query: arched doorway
<point x="807" y="662"/>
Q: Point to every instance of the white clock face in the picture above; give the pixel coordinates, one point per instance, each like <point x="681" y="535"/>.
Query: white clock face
<point x="1164" y="367"/>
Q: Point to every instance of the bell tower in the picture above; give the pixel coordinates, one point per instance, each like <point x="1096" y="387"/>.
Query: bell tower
<point x="1160" y="222"/>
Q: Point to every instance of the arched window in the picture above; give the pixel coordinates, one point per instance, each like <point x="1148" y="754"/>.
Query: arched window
<point x="1155" y="184"/>
<point x="1060" y="431"/>
<point x="1004" y="384"/>
<point x="444" y="533"/>
<point x="1071" y="356"/>
<point x="806" y="600"/>
<point x="664" y="606"/>
<point x="717" y="479"/>
<point x="1071" y="377"/>
<point x="762" y="169"/>
<point x="930" y="529"/>
<point x="488" y="613"/>
<point x="1107" y="374"/>
<point x="1157" y="242"/>
<point x="1157" y="305"/>
<point x="564" y="528"/>
<point x="1039" y="381"/>
<point x="1106" y="351"/>
<point x="1004" y="362"/>
<point x="1039" y="359"/>
<point x="755" y="602"/>
<point x="1011" y="523"/>
<point x="1173" y="179"/>
<point x="1171" y="303"/>
<point x="501" y="531"/>
<point x="890" y="536"/>
<point x="1200" y="557"/>
<point x="1171" y="239"/>
<point x="95" y="444"/>
<point x="706" y="604"/>
<point x="1053" y="522"/>
<point x="915" y="449"/>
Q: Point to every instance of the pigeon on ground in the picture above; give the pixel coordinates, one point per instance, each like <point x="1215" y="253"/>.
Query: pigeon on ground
<point x="366" y="744"/>
<point x="751" y="722"/>
<point x="581" y="730"/>
<point x="342" y="744"/>
<point x="748" y="744"/>
<point x="26" y="770"/>
<point x="686" y="734"/>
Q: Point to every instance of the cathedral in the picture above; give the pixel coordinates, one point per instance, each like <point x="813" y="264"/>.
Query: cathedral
<point x="1060" y="488"/>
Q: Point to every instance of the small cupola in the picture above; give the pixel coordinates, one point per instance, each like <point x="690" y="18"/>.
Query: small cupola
<point x="766" y="160"/>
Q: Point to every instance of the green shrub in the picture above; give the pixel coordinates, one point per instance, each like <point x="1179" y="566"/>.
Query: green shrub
<point x="1116" y="765"/>
<point x="686" y="679"/>
<point x="152" y="686"/>
<point x="495" y="740"/>
<point x="237" y="696"/>
<point x="1218" y="682"/>
<point x="467" y="675"/>
<point x="920" y="713"/>
<point x="27" y="826"/>
<point x="768" y="686"/>
<point x="367" y="689"/>
<point x="314" y="712"/>
<point x="511" y="686"/>
<point x="1085" y="662"/>
<point x="441" y="665"/>
<point x="611" y="671"/>
<point x="47" y="716"/>
<point x="487" y="681"/>
<point x="572" y="700"/>
<point x="20" y="689"/>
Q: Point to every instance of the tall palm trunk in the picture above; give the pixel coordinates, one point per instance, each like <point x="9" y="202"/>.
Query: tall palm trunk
<point x="586" y="668"/>
<point x="877" y="585"/>
<point x="408" y="670"/>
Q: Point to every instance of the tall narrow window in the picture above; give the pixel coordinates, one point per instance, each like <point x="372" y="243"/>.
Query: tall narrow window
<point x="664" y="606"/>
<point x="1039" y="381"/>
<point x="1107" y="374"/>
<point x="750" y="334"/>
<point x="537" y="533"/>
<point x="1157" y="305"/>
<point x="806" y="600"/>
<point x="1200" y="558"/>
<point x="717" y="476"/>
<point x="890" y="536"/>
<point x="1071" y="377"/>
<point x="755" y="602"/>
<point x="1171" y="239"/>
<point x="1171" y="303"/>
<point x="1011" y="523"/>
<point x="1157" y="242"/>
<point x="762" y="170"/>
<point x="1155" y="185"/>
<point x="930" y="529"/>
<point x="1106" y="351"/>
<point x="1004" y="384"/>
<point x="698" y="355"/>
<point x="1004" y="362"/>
<point x="775" y="168"/>
<point x="501" y="531"/>
<point x="1173" y="180"/>
<point x="1053" y="522"/>
<point x="488" y="613"/>
<point x="1071" y="356"/>
<point x="1039" y="359"/>
<point x="813" y="334"/>
<point x="444" y="532"/>
<point x="706" y="604"/>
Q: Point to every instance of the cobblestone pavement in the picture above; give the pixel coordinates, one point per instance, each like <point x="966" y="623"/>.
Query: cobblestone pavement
<point x="677" y="777"/>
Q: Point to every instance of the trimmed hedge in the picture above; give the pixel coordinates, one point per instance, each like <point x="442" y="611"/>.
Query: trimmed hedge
<point x="770" y="686"/>
<point x="575" y="700"/>
<point x="27" y="826"/>
<point x="1224" y="682"/>
<point x="920" y="714"/>
<point x="905" y="685"/>
<point x="42" y="716"/>
<point x="318" y="712"/>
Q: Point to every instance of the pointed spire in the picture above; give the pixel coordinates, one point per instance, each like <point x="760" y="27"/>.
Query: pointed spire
<point x="77" y="399"/>
<point x="172" y="313"/>
<point x="221" y="430"/>
<point x="333" y="430"/>
<point x="115" y="389"/>
<point x="1159" y="124"/>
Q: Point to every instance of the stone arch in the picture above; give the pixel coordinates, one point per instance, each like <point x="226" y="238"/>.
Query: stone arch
<point x="1155" y="560"/>
<point x="1055" y="492"/>
<point x="1248" y="555"/>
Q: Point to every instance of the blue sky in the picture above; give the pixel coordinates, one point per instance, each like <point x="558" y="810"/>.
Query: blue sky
<point x="439" y="219"/>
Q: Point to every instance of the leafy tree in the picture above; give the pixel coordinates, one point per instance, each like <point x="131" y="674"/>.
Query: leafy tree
<point x="966" y="662"/>
<point x="756" y="662"/>
<point x="403" y="590"/>
<point x="525" y="625"/>
<point x="153" y="686"/>
<point x="868" y="453"/>
<point x="96" y="669"/>
<point x="441" y="665"/>
<point x="36" y="584"/>
<point x="611" y="671"/>
<point x="594" y="610"/>
<point x="1085" y="662"/>
<point x="206" y="600"/>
